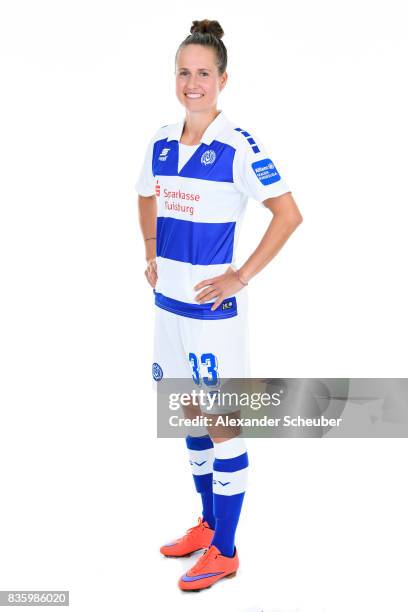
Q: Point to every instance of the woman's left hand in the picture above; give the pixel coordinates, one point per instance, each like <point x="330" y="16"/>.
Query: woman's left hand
<point x="219" y="288"/>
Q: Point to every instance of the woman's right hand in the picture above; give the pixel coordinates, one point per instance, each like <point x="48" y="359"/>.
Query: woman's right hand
<point x="151" y="272"/>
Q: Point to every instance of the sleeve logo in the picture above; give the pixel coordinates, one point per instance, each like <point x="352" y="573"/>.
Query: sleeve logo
<point x="266" y="171"/>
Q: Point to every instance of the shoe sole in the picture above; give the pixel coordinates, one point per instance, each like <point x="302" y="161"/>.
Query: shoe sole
<point x="182" y="556"/>
<point x="231" y="575"/>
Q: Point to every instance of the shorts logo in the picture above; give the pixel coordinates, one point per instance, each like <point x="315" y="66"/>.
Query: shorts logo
<point x="226" y="305"/>
<point x="163" y="154"/>
<point x="266" y="171"/>
<point x="208" y="157"/>
<point x="157" y="372"/>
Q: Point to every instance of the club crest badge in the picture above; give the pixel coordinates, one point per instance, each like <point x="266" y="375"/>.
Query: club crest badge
<point x="157" y="372"/>
<point x="208" y="157"/>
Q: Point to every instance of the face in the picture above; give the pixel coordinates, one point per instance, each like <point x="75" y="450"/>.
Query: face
<point x="197" y="80"/>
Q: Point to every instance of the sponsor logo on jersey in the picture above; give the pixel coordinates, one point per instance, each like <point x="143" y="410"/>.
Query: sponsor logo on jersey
<point x="157" y="188"/>
<point x="181" y="195"/>
<point x="208" y="157"/>
<point x="179" y="207"/>
<point x="157" y="372"/>
<point x="180" y="201"/>
<point x="266" y="171"/>
<point x="163" y="154"/>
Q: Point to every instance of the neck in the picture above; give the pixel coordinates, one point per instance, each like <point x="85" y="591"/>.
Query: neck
<point x="196" y="123"/>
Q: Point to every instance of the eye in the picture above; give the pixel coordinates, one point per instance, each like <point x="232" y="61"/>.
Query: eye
<point x="183" y="72"/>
<point x="204" y="73"/>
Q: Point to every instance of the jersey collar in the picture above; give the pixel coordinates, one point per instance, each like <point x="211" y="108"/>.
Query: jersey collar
<point x="175" y="130"/>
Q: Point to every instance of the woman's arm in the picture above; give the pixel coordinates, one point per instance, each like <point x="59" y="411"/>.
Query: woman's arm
<point x="286" y="218"/>
<point x="147" y="222"/>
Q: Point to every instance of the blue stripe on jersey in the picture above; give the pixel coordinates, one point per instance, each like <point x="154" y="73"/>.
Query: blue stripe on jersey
<point x="209" y="162"/>
<point x="227" y="308"/>
<point x="249" y="138"/>
<point x="195" y="242"/>
<point x="165" y="157"/>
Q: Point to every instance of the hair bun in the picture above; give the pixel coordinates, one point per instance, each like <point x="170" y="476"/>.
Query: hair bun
<point x="206" y="26"/>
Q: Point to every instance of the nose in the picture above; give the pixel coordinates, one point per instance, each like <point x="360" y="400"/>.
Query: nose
<point x="191" y="82"/>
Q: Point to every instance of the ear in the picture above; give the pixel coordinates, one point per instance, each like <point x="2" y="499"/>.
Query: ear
<point x="223" y="80"/>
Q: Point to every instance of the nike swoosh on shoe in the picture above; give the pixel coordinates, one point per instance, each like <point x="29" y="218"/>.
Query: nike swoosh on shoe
<point x="199" y="577"/>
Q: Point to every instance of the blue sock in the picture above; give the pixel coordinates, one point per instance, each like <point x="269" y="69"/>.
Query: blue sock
<point x="229" y="485"/>
<point x="201" y="453"/>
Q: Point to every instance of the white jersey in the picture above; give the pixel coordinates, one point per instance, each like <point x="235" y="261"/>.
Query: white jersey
<point x="200" y="208"/>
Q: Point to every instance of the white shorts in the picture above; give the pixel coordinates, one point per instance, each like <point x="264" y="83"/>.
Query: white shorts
<point x="200" y="349"/>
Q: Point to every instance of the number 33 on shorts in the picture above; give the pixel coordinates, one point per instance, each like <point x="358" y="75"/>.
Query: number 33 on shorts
<point x="207" y="362"/>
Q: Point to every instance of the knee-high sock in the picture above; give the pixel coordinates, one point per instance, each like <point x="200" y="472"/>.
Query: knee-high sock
<point x="230" y="472"/>
<point x="201" y="453"/>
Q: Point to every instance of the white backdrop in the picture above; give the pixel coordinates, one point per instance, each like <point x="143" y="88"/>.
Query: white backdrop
<point x="87" y="491"/>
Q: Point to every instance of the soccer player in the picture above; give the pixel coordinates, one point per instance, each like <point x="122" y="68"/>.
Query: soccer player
<point x="193" y="190"/>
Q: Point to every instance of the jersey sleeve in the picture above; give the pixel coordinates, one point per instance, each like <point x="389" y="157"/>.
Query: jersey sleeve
<point x="145" y="183"/>
<point x="255" y="174"/>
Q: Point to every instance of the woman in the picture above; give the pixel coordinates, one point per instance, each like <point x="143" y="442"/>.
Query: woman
<point x="193" y="190"/>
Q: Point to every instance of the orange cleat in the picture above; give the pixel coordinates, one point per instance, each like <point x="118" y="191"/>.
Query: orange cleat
<point x="210" y="567"/>
<point x="194" y="539"/>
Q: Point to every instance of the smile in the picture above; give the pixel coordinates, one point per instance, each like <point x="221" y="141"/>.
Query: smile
<point x="194" y="96"/>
